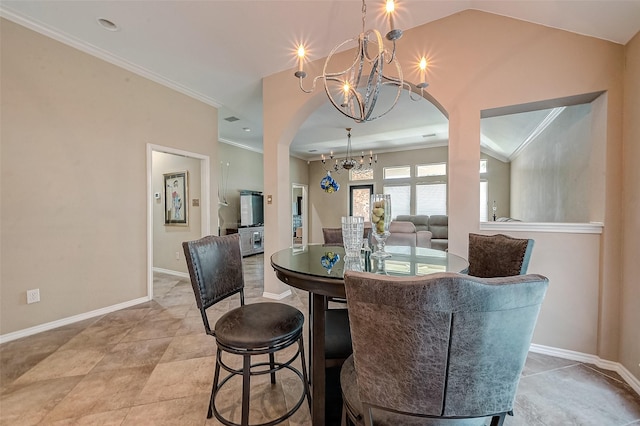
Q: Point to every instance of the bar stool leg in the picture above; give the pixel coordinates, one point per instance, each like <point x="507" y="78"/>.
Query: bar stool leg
<point x="216" y="378"/>
<point x="272" y="365"/>
<point x="305" y="378"/>
<point x="246" y="387"/>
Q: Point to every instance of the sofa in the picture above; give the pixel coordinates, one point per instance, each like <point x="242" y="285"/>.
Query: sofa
<point x="438" y="225"/>
<point x="404" y="233"/>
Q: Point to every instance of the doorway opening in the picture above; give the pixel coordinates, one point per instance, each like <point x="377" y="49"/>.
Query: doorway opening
<point x="299" y="215"/>
<point x="198" y="202"/>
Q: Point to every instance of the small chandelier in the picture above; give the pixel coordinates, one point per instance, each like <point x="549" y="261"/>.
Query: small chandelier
<point x="354" y="91"/>
<point x="349" y="163"/>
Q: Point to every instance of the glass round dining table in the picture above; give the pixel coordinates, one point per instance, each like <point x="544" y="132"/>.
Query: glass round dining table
<point x="319" y="269"/>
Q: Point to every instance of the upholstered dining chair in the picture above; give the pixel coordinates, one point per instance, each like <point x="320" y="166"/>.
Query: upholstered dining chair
<point x="215" y="268"/>
<point x="332" y="236"/>
<point x="441" y="346"/>
<point x="498" y="255"/>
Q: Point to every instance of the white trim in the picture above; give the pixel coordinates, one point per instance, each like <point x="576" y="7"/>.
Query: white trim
<point x="276" y="296"/>
<point x="589" y="359"/>
<point x="239" y="145"/>
<point x="568" y="228"/>
<point x="105" y="56"/>
<point x="170" y="272"/>
<point x="546" y="122"/>
<point x="205" y="205"/>
<point x="70" y="320"/>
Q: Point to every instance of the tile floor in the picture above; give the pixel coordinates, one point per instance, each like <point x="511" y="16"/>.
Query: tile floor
<point x="152" y="364"/>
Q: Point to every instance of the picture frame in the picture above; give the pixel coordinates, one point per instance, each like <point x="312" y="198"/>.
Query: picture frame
<point x="176" y="198"/>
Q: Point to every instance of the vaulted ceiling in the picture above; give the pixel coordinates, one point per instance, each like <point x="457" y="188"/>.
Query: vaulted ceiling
<point x="219" y="51"/>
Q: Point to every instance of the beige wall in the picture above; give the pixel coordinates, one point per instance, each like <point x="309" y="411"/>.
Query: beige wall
<point x="299" y="171"/>
<point x="554" y="178"/>
<point x="482" y="61"/>
<point x="74" y="132"/>
<point x="245" y="172"/>
<point x="630" y="298"/>
<point x="499" y="182"/>
<point x="167" y="239"/>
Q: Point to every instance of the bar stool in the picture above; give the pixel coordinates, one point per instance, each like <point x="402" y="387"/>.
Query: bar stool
<point x="215" y="268"/>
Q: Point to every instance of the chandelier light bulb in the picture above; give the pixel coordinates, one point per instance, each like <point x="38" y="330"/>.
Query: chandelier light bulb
<point x="423" y="69"/>
<point x="300" y="73"/>
<point x="390" y="6"/>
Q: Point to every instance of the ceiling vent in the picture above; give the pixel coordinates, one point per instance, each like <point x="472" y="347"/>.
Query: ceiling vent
<point x="232" y="119"/>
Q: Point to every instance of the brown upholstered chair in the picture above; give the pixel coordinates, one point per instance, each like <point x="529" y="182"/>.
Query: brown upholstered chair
<point x="215" y="268"/>
<point x="498" y="255"/>
<point x="441" y="346"/>
<point x="332" y="236"/>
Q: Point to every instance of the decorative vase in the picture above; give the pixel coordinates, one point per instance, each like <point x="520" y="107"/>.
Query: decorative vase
<point x="329" y="184"/>
<point x="380" y="220"/>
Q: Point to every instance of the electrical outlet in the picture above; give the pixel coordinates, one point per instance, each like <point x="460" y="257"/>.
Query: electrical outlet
<point x="177" y="255"/>
<point x="33" y="296"/>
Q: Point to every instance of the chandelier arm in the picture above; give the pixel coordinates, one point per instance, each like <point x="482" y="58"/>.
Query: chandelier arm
<point x="354" y="97"/>
<point x="378" y="42"/>
<point x="372" y="98"/>
<point x="313" y="86"/>
<point x="393" y="53"/>
<point x="343" y="72"/>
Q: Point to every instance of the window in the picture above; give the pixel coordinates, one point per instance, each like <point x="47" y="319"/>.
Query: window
<point x="359" y="200"/>
<point x="431" y="198"/>
<point x="400" y="199"/>
<point x="484" y="201"/>
<point x="361" y="174"/>
<point x="401" y="172"/>
<point x="436" y="169"/>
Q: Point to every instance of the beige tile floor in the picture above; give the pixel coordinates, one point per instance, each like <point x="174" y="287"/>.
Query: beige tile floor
<point x="152" y="364"/>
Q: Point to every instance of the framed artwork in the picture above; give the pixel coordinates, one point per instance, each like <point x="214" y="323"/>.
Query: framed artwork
<point x="176" y="196"/>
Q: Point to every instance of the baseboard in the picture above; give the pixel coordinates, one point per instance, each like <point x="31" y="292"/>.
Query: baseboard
<point x="590" y="359"/>
<point x="170" y="272"/>
<point x="69" y="320"/>
<point x="276" y="296"/>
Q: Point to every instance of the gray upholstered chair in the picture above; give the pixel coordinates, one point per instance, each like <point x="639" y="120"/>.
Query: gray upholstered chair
<point x="441" y="346"/>
<point x="215" y="268"/>
<point x="498" y="255"/>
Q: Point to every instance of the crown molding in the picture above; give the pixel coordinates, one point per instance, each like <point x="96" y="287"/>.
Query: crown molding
<point x="104" y="55"/>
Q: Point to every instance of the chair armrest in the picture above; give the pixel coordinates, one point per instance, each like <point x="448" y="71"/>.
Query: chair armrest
<point x="423" y="239"/>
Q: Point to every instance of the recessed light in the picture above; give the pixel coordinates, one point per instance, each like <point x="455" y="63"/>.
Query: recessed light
<point x="107" y="24"/>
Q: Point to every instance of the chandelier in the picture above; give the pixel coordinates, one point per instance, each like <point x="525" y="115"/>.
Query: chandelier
<point x="354" y="91"/>
<point x="349" y="163"/>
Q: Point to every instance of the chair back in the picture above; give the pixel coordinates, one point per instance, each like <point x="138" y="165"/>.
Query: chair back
<point x="441" y="345"/>
<point x="498" y="255"/>
<point x="332" y="236"/>
<point x="215" y="268"/>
